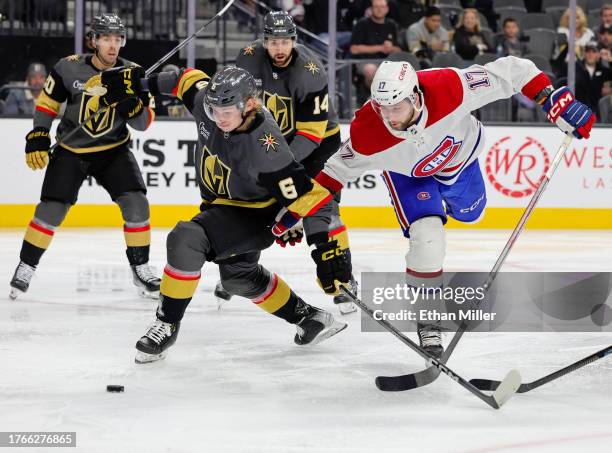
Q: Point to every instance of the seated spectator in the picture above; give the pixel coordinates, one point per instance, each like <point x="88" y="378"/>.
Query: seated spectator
<point x="374" y="37"/>
<point x="606" y="15"/>
<point x="363" y="8"/>
<point x="583" y="33"/>
<point x="469" y="40"/>
<point x="21" y="101"/>
<point x="590" y="77"/>
<point x="510" y="42"/>
<point x="604" y="41"/>
<point x="427" y="36"/>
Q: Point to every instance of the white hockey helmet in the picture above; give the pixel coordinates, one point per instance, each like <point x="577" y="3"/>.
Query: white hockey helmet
<point x="394" y="82"/>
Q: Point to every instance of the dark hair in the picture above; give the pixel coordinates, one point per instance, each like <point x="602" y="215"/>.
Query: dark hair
<point x="432" y="11"/>
<point x="509" y="19"/>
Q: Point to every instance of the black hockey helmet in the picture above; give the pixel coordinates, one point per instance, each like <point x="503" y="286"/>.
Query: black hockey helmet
<point x="230" y="86"/>
<point x="279" y="24"/>
<point x="108" y="24"/>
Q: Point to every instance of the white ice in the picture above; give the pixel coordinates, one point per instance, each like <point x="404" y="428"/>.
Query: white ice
<point x="235" y="382"/>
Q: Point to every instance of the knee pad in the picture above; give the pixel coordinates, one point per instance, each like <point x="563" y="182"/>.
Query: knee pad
<point x="134" y="207"/>
<point x="244" y="279"/>
<point x="51" y="212"/>
<point x="187" y="247"/>
<point x="427" y="245"/>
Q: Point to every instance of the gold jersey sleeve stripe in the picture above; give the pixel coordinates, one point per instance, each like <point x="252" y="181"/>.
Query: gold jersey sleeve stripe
<point x="310" y="202"/>
<point x="47" y="104"/>
<point x="311" y="128"/>
<point x="187" y="80"/>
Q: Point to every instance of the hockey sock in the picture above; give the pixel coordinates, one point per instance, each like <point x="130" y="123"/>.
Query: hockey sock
<point x="341" y="235"/>
<point x="279" y="300"/>
<point x="137" y="239"/>
<point x="37" y="239"/>
<point x="177" y="289"/>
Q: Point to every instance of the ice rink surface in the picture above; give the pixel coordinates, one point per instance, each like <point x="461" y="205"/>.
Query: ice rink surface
<point x="235" y="382"/>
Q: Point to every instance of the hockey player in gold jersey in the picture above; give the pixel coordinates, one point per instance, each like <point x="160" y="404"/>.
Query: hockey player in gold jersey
<point x="98" y="149"/>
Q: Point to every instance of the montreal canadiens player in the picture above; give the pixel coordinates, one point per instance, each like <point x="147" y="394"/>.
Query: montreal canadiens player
<point x="418" y="128"/>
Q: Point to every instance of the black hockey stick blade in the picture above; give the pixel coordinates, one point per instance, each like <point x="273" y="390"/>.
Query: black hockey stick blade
<point x="491" y="385"/>
<point x="407" y="381"/>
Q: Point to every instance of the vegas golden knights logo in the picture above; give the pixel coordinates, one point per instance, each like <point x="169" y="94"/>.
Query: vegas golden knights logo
<point x="282" y="109"/>
<point x="215" y="174"/>
<point x="98" y="124"/>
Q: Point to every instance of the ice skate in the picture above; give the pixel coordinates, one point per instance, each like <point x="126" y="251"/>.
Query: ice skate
<point x="345" y="303"/>
<point x="316" y="325"/>
<point x="145" y="281"/>
<point x="21" y="279"/>
<point x="152" y="346"/>
<point x="221" y="295"/>
<point x="430" y="339"/>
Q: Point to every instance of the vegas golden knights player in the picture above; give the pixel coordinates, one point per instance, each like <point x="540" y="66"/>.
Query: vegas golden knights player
<point x="294" y="89"/>
<point x="253" y="190"/>
<point x="98" y="149"/>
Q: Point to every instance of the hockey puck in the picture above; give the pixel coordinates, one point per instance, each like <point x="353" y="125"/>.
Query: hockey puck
<point x="115" y="388"/>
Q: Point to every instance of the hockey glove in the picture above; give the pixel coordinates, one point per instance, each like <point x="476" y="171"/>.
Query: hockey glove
<point x="121" y="83"/>
<point x="37" y="148"/>
<point x="292" y="236"/>
<point x="333" y="267"/>
<point x="285" y="220"/>
<point x="570" y="115"/>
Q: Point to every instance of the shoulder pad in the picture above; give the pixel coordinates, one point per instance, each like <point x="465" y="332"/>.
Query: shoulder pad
<point x="369" y="135"/>
<point x="74" y="57"/>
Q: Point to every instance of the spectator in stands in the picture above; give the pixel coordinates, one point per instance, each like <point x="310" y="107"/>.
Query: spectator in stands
<point x="469" y="40"/>
<point x="590" y="77"/>
<point x="604" y="41"/>
<point x="605" y="103"/>
<point x="427" y="36"/>
<point x="21" y="101"/>
<point x="606" y="14"/>
<point x="510" y="42"/>
<point x="374" y="37"/>
<point x="363" y="8"/>
<point x="583" y="33"/>
<point x="410" y="11"/>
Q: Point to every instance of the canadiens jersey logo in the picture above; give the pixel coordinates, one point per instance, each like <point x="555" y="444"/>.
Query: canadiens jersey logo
<point x="437" y="160"/>
<point x="268" y="141"/>
<point x="281" y="108"/>
<point x="215" y="174"/>
<point x="99" y="123"/>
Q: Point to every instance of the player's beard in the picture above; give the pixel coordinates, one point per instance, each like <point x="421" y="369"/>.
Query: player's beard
<point x="281" y="60"/>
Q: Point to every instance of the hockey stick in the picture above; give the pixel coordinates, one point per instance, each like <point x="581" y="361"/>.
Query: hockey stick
<point x="504" y="390"/>
<point x="488" y="384"/>
<point x="430" y="374"/>
<point x="148" y="72"/>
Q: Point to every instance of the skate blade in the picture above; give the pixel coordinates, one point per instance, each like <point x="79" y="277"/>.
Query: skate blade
<point x="14" y="293"/>
<point x="347" y="308"/>
<point x="332" y="330"/>
<point x="220" y="302"/>
<point x="143" y="357"/>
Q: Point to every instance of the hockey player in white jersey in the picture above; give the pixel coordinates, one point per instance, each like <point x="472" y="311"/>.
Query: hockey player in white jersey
<point x="418" y="128"/>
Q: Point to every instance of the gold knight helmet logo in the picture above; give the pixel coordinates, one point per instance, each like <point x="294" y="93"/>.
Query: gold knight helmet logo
<point x="98" y="123"/>
<point x="282" y="110"/>
<point x="215" y="174"/>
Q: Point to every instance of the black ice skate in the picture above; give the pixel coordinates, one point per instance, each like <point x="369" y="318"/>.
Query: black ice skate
<point x="152" y="346"/>
<point x="145" y="281"/>
<point x="21" y="279"/>
<point x="430" y="339"/>
<point x="221" y="295"/>
<point x="345" y="303"/>
<point x="316" y="325"/>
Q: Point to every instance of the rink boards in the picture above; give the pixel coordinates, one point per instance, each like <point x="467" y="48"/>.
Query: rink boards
<point x="514" y="159"/>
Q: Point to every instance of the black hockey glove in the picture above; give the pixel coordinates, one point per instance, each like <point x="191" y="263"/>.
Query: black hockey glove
<point x="333" y="267"/>
<point x="37" y="148"/>
<point x="121" y="83"/>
